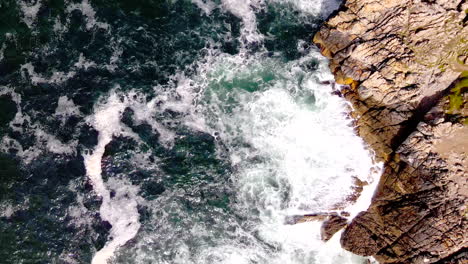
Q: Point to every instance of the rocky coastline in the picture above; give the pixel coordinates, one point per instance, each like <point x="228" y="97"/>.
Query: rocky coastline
<point x="405" y="64"/>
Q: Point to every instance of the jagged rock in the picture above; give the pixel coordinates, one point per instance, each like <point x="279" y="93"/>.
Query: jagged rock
<point x="418" y="214"/>
<point x="333" y="224"/>
<point x="401" y="58"/>
<point x="398" y="56"/>
<point x="297" y="219"/>
<point x="345" y="214"/>
<point x="356" y="190"/>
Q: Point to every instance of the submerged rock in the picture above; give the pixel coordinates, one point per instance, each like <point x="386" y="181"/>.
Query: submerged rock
<point x="334" y="224"/>
<point x="404" y="63"/>
<point x="298" y="219"/>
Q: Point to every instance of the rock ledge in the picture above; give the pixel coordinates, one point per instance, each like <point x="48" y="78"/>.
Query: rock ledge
<point x="405" y="63"/>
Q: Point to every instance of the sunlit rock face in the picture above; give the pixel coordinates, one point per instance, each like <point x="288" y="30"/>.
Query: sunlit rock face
<point x="405" y="63"/>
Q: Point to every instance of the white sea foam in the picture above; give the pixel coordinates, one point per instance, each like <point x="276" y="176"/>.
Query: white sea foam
<point x="54" y="145"/>
<point x="6" y="209"/>
<point x="365" y="198"/>
<point x="80" y="217"/>
<point x="88" y="11"/>
<point x="19" y="119"/>
<point x="30" y="12"/>
<point x="65" y="109"/>
<point x="206" y="5"/>
<point x="116" y="53"/>
<point x="309" y="151"/>
<point x="8" y="143"/>
<point x="244" y="9"/>
<point x="27" y="155"/>
<point x="313" y="7"/>
<point x="120" y="210"/>
<point x="44" y="140"/>
<point x="57" y="77"/>
<point x="144" y="114"/>
<point x="83" y="63"/>
<point x="79" y="213"/>
<point x="58" y="26"/>
<point x="290" y="142"/>
<point x="2" y="51"/>
<point x="294" y="152"/>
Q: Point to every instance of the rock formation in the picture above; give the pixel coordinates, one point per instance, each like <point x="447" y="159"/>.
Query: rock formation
<point x="333" y="224"/>
<point x="405" y="62"/>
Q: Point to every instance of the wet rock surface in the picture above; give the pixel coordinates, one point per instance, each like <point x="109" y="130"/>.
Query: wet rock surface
<point x="405" y="65"/>
<point x="333" y="224"/>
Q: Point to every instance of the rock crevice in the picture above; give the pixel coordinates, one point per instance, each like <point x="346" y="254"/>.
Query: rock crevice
<point x="405" y="64"/>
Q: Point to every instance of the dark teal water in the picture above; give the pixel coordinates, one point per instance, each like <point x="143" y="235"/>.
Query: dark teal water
<point x="168" y="132"/>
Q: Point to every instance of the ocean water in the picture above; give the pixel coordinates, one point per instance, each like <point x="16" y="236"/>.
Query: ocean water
<point x="172" y="131"/>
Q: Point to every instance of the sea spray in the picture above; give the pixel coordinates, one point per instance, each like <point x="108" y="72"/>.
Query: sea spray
<point x="184" y="133"/>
